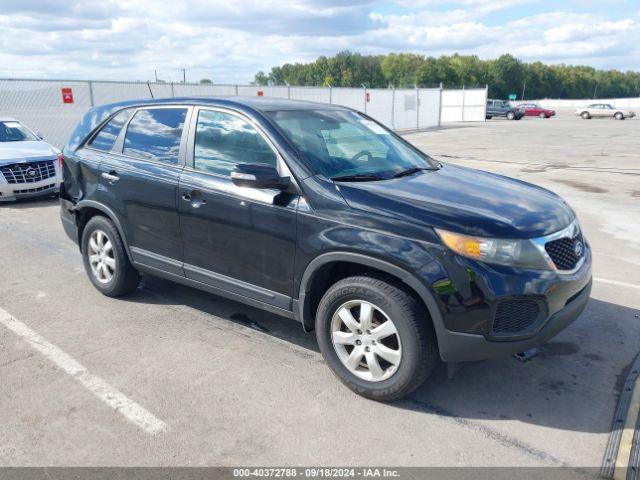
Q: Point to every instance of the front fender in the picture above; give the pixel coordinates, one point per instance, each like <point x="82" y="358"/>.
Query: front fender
<point x="301" y="305"/>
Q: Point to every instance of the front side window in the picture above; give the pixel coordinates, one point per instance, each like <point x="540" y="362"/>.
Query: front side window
<point x="154" y="134"/>
<point x="11" y="131"/>
<point x="340" y="143"/>
<point x="224" y="140"/>
<point x="106" y="138"/>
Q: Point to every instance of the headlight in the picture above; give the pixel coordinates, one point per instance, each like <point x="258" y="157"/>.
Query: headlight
<point x="515" y="253"/>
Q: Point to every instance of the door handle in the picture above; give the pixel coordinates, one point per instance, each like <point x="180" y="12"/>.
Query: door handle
<point x="112" y="176"/>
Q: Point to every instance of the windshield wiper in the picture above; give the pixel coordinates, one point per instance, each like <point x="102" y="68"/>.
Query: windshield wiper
<point x="411" y="171"/>
<point x="358" y="177"/>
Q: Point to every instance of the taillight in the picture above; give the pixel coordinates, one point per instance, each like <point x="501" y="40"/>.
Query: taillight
<point x="60" y="161"/>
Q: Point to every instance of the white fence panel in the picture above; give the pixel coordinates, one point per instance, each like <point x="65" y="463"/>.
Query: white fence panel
<point x="380" y="106"/>
<point x="311" y="94"/>
<point x="188" y="90"/>
<point x="475" y="105"/>
<point x="452" y="105"/>
<point x="467" y="105"/>
<point x="405" y="110"/>
<point x="111" y="92"/>
<point x="429" y="108"/>
<point x="39" y="105"/>
<point x="252" y="91"/>
<point x="349" y="97"/>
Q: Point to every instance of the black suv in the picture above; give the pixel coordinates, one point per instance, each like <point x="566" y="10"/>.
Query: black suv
<point x="320" y="214"/>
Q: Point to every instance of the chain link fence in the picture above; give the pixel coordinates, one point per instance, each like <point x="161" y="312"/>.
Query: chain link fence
<point x="54" y="107"/>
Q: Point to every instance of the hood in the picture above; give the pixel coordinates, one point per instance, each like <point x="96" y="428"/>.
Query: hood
<point x="464" y="200"/>
<point x="13" y="152"/>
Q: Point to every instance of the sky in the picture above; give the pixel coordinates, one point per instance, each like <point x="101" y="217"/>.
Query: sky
<point x="228" y="41"/>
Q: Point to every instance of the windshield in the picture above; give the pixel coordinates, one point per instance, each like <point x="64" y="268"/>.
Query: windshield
<point x="341" y="143"/>
<point x="15" y="132"/>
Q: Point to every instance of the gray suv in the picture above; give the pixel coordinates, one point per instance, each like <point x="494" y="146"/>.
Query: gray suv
<point x="502" y="108"/>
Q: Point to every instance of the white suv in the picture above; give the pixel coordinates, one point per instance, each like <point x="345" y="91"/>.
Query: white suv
<point x="29" y="166"/>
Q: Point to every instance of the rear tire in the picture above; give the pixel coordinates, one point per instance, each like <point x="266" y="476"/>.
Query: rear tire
<point x="380" y="366"/>
<point x="585" y="115"/>
<point x="105" y="258"/>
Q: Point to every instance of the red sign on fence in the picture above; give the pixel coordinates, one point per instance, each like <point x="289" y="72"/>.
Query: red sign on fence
<point x="67" y="95"/>
<point x="260" y="93"/>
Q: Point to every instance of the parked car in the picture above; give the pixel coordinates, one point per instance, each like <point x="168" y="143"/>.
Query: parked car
<point x="604" y="110"/>
<point x="535" y="110"/>
<point x="320" y="214"/>
<point x="501" y="108"/>
<point x="29" y="166"/>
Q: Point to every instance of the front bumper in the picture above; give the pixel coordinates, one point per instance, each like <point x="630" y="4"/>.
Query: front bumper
<point x="15" y="191"/>
<point x="465" y="347"/>
<point x="470" y="293"/>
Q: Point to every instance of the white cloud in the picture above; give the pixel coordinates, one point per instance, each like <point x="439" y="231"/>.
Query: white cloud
<point x="229" y="41"/>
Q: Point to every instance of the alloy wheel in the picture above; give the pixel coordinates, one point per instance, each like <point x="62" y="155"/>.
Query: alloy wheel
<point x="101" y="256"/>
<point x="366" y="340"/>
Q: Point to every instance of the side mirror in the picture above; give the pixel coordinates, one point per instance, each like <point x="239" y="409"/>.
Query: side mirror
<point x="255" y="175"/>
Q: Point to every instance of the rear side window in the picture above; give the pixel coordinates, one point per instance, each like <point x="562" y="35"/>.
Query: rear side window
<point x="154" y="134"/>
<point x="224" y="140"/>
<point x="106" y="138"/>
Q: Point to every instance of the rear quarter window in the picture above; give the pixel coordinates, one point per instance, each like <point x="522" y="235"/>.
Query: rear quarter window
<point x="154" y="134"/>
<point x="106" y="137"/>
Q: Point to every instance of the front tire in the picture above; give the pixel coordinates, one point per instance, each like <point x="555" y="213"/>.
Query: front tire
<point x="619" y="116"/>
<point x="585" y="115"/>
<point x="105" y="259"/>
<point x="511" y="116"/>
<point x="375" y="337"/>
<point x="543" y="115"/>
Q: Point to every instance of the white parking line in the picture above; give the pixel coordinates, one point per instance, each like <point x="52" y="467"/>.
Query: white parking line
<point x="96" y="385"/>
<point x="616" y="282"/>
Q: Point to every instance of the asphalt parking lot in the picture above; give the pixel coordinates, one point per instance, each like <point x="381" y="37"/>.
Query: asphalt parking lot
<point x="207" y="381"/>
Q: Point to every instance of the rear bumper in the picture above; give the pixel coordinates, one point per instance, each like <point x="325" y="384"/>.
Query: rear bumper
<point x="464" y="347"/>
<point x="68" y="219"/>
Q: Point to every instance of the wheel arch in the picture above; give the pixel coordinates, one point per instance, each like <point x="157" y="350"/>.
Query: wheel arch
<point x="318" y="275"/>
<point x="87" y="209"/>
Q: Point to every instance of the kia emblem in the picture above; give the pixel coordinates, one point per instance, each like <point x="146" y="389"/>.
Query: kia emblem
<point x="577" y="248"/>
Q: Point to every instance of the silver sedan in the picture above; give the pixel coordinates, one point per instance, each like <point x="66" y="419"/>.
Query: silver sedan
<point x="604" y="110"/>
<point x="29" y="166"/>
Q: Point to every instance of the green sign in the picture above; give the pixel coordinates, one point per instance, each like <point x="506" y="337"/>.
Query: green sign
<point x="512" y="96"/>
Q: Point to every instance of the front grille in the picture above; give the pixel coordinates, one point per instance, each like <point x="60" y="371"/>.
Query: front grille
<point x="28" y="172"/>
<point x="563" y="252"/>
<point x="515" y="317"/>
<point x="34" y="190"/>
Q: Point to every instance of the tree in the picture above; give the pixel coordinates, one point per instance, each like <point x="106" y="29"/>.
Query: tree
<point x="205" y="80"/>
<point x="504" y="75"/>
